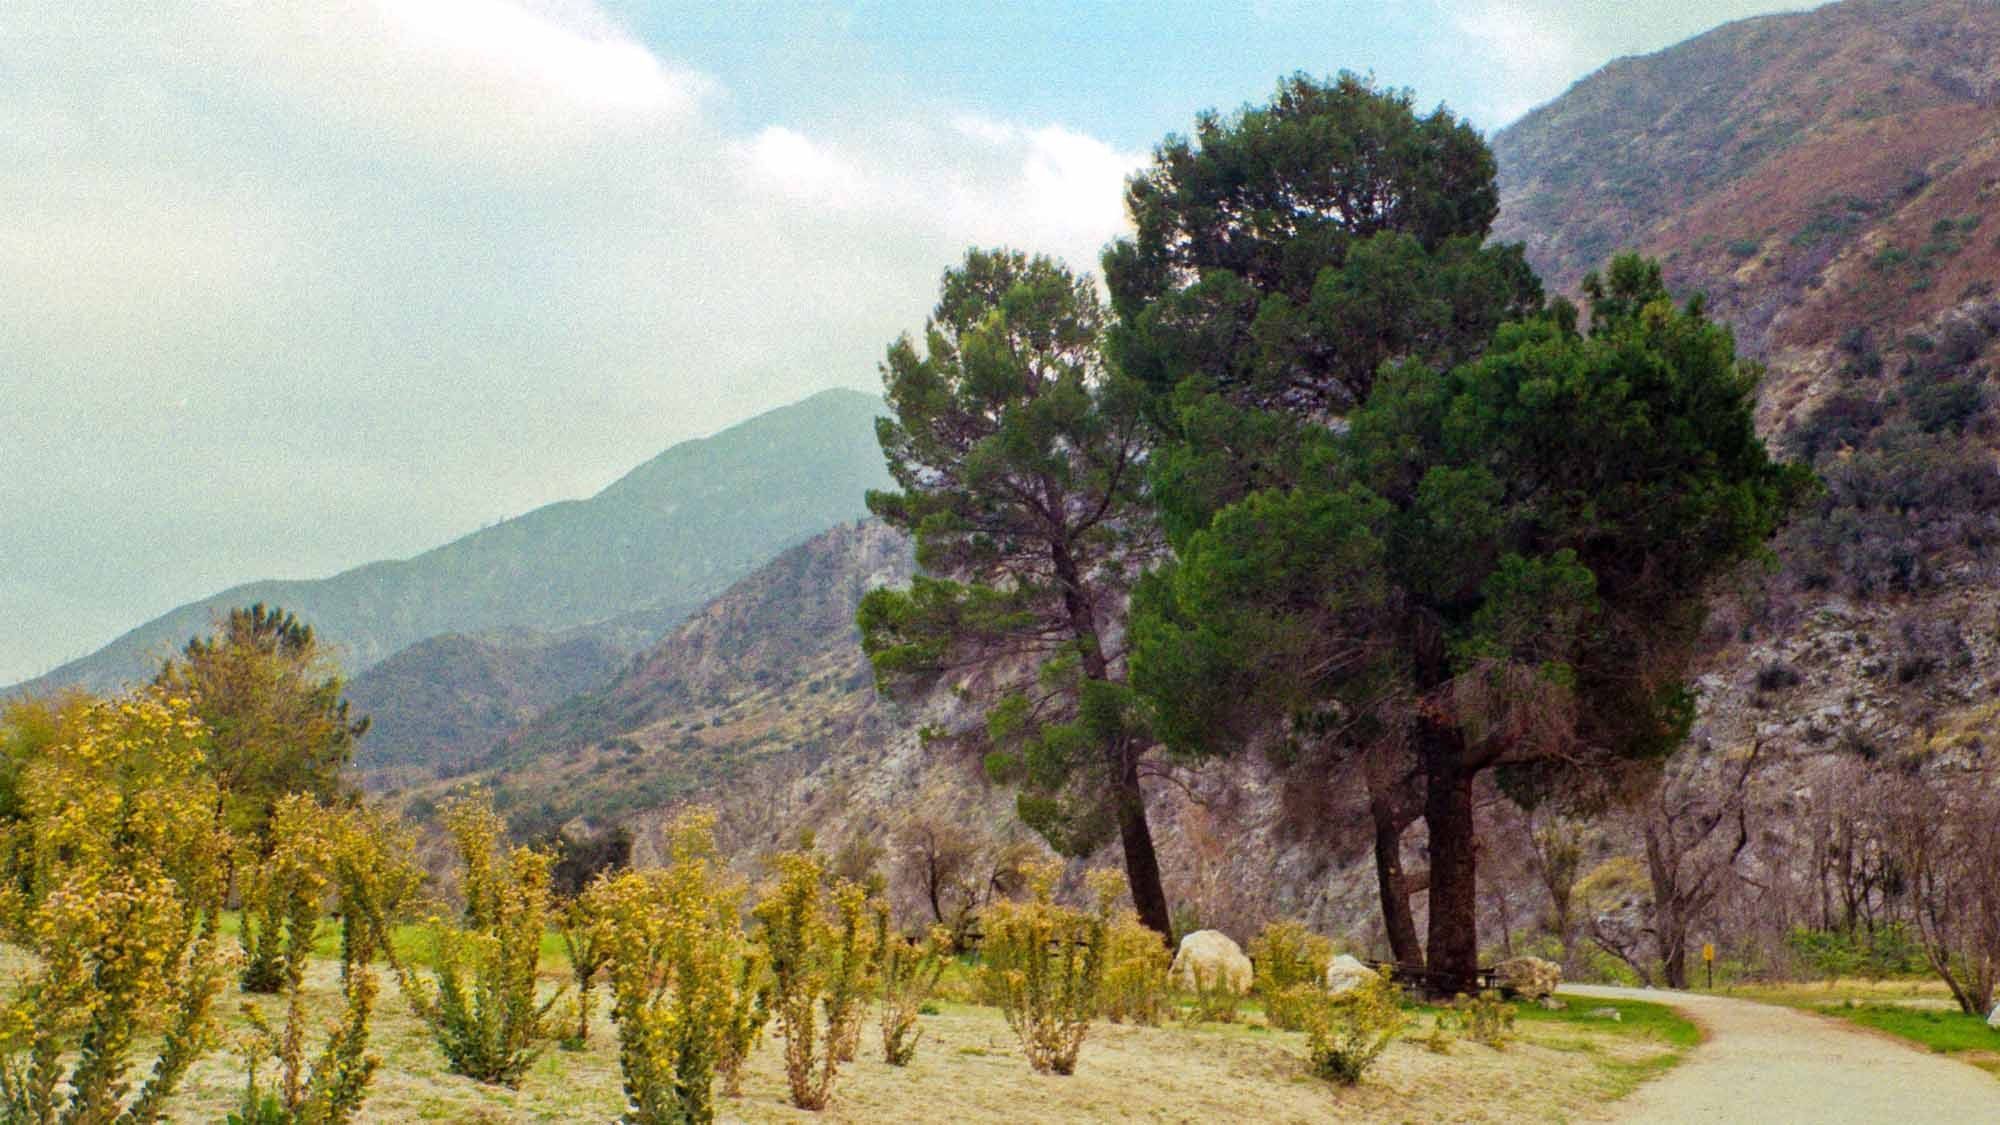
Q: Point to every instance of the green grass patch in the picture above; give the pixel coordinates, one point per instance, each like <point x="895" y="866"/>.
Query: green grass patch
<point x="1946" y="1032"/>
<point x="1637" y="1018"/>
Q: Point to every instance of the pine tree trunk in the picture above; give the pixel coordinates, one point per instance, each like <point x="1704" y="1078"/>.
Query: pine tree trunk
<point x="1142" y="865"/>
<point x="1454" y="904"/>
<point x="1397" y="918"/>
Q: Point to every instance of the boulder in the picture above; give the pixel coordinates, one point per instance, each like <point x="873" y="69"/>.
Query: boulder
<point x="1993" y="1018"/>
<point x="1612" y="1014"/>
<point x="1345" y="973"/>
<point x="1530" y="978"/>
<point x="1211" y="958"/>
<point x="1552" y="1004"/>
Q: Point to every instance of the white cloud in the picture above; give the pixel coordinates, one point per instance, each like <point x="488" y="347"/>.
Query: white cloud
<point x="297" y="285"/>
<point x="1533" y="48"/>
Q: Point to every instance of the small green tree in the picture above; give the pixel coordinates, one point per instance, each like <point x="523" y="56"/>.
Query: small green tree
<point x="585" y="943"/>
<point x="480" y="1001"/>
<point x="272" y="702"/>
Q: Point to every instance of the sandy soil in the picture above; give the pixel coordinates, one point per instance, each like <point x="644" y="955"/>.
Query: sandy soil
<point x="1775" y="1066"/>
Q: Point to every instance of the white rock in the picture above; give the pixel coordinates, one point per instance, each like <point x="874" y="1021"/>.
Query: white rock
<point x="1345" y="972"/>
<point x="1210" y="958"/>
<point x="1993" y="1018"/>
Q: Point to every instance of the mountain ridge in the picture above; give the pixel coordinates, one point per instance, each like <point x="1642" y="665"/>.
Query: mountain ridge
<point x="660" y="540"/>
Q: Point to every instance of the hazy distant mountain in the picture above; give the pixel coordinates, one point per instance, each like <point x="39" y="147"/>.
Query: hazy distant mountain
<point x="446" y="698"/>
<point x="657" y="543"/>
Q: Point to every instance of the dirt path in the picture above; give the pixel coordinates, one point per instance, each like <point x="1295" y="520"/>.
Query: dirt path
<point x="1767" y="1065"/>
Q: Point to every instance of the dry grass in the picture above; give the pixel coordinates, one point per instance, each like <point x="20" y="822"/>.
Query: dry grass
<point x="969" y="1067"/>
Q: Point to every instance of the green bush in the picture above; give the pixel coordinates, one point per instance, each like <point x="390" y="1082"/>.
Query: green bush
<point x="1044" y="968"/>
<point x="1288" y="956"/>
<point x="1345" y="1034"/>
<point x="480" y="1002"/>
<point x="1886" y="951"/>
<point x="1487" y="1019"/>
<point x="907" y="972"/>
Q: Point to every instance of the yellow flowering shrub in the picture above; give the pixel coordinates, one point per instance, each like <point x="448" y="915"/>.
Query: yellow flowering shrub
<point x="819" y="946"/>
<point x="1345" y="1034"/>
<point x="686" y="991"/>
<point x="1290" y="963"/>
<point x="480" y="1000"/>
<point x="1136" y="961"/>
<point x="317" y="853"/>
<point x="906" y="972"/>
<point x="1487" y="1019"/>
<point x="1044" y="966"/>
<point x="116" y="881"/>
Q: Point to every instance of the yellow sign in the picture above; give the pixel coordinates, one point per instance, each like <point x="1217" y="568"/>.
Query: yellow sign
<point x="1708" y="951"/>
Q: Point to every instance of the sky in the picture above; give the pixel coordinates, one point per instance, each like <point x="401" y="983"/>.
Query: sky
<point x="289" y="287"/>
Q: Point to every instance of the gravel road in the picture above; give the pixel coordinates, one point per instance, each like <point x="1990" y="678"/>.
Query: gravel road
<point x="1766" y="1065"/>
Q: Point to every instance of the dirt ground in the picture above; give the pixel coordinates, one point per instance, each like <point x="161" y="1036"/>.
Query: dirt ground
<point x="970" y="1068"/>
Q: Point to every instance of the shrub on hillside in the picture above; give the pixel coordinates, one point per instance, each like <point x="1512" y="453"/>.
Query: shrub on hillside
<point x="818" y="942"/>
<point x="480" y="1002"/>
<point x="1290" y="961"/>
<point x="1045" y="968"/>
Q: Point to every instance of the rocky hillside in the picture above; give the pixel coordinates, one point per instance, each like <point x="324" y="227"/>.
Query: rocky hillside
<point x="762" y="705"/>
<point x="436" y="703"/>
<point x="653" y="545"/>
<point x="1831" y="180"/>
<point x="768" y="675"/>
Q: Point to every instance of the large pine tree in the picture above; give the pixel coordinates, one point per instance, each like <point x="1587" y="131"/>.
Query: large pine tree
<point x="1019" y="460"/>
<point x="1500" y="565"/>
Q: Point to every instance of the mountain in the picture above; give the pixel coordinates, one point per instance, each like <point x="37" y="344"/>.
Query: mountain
<point x="762" y="706"/>
<point x="445" y="698"/>
<point x="1830" y="180"/>
<point x="652" y="546"/>
<point x="1811" y="172"/>
<point x="770" y="670"/>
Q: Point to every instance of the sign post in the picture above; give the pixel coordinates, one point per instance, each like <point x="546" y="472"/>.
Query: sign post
<point x="1708" y="960"/>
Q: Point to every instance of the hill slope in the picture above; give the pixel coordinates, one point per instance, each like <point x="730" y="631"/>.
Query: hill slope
<point x="658" y="542"/>
<point x="1800" y="169"/>
<point x="437" y="702"/>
